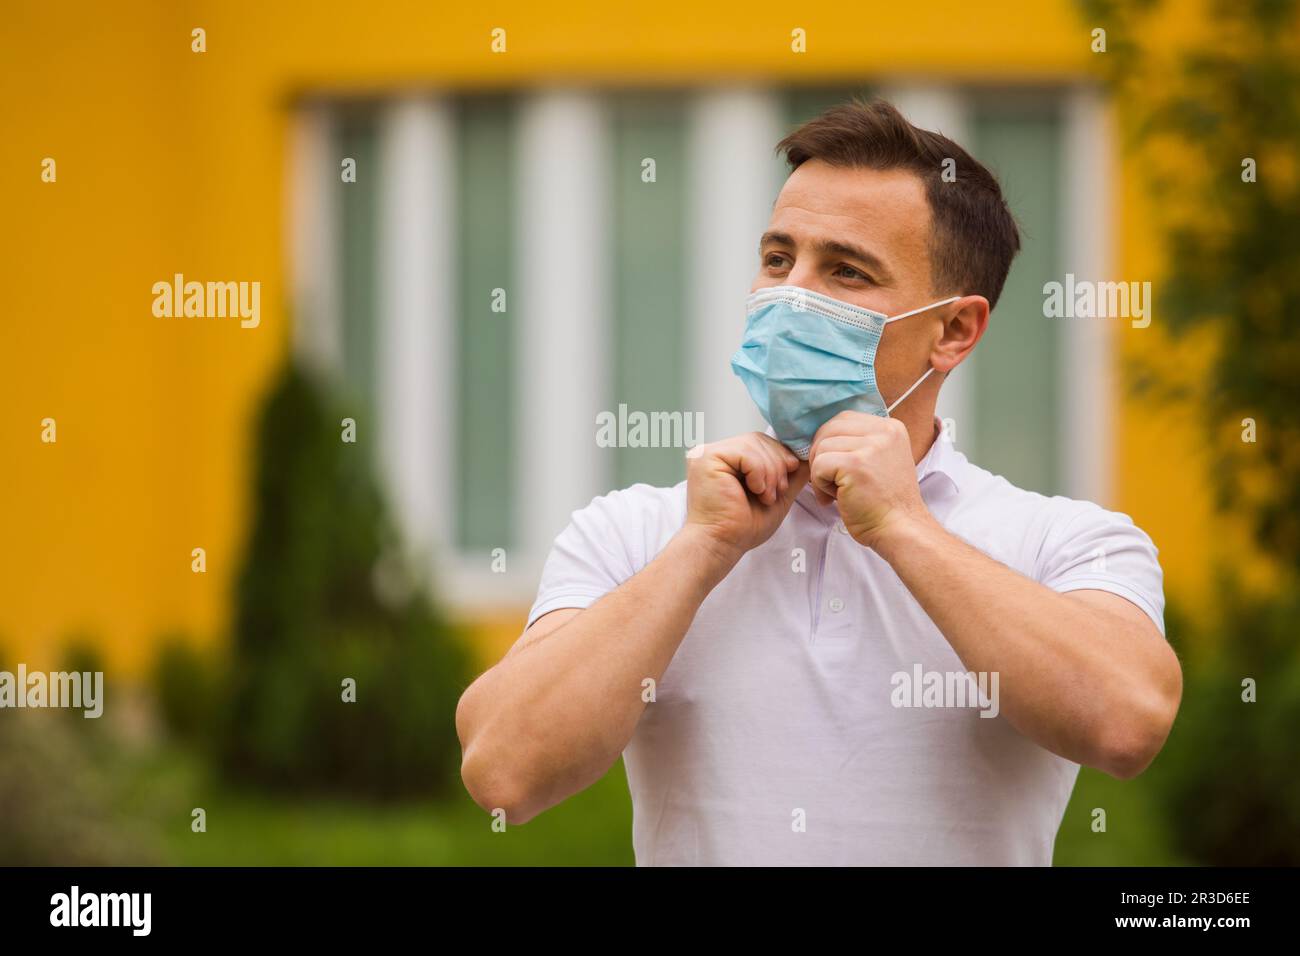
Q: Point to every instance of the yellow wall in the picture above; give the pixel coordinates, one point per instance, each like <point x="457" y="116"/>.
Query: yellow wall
<point x="170" y="161"/>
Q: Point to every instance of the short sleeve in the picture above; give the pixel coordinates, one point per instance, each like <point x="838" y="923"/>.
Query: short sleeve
<point x="591" y="556"/>
<point x="1105" y="551"/>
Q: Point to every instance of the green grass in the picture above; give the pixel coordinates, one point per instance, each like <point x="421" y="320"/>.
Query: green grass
<point x="593" y="827"/>
<point x="134" y="805"/>
<point x="1136" y="833"/>
<point x="252" y="828"/>
<point x="248" y="828"/>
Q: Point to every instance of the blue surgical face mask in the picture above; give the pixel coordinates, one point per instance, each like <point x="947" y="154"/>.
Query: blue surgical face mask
<point x="807" y="357"/>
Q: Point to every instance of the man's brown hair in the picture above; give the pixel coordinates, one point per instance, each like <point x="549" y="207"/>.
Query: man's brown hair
<point x="973" y="235"/>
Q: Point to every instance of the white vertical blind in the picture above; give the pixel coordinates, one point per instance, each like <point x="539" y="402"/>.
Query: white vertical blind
<point x="733" y="183"/>
<point x="312" y="236"/>
<point x="415" y="377"/>
<point x="563" y="309"/>
<point x="1086" y="375"/>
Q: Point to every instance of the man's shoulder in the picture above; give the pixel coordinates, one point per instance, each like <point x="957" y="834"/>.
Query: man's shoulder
<point x="642" y="515"/>
<point x="640" y="500"/>
<point x="1066" y="543"/>
<point x="607" y="541"/>
<point x="993" y="503"/>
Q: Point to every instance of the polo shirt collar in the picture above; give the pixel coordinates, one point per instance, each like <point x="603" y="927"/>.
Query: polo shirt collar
<point x="942" y="459"/>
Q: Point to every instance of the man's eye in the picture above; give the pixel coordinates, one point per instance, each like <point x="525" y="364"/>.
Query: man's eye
<point x="774" y="260"/>
<point x="852" y="272"/>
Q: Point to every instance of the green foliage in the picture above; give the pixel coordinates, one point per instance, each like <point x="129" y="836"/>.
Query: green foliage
<point x="1228" y="770"/>
<point x="188" y="686"/>
<point x="81" y="652"/>
<point x="1233" y="245"/>
<point x="1227" y="774"/>
<point x="60" y="794"/>
<point x="324" y="596"/>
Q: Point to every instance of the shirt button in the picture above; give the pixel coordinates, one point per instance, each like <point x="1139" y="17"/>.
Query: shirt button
<point x="841" y="527"/>
<point x="837" y="605"/>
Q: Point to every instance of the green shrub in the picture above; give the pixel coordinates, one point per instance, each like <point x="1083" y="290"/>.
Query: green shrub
<point x="188" y="685"/>
<point x="1229" y="768"/>
<point x="312" y="610"/>
<point x="59" y="795"/>
<point x="1228" y="771"/>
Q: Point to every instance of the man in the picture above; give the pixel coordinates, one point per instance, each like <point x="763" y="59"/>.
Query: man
<point x="772" y="644"/>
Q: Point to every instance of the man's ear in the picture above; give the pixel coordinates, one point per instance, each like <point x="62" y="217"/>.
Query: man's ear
<point x="962" y="329"/>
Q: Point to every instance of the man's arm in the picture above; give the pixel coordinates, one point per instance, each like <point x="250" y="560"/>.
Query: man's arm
<point x="1085" y="674"/>
<point x="554" y="714"/>
<point x="552" y="717"/>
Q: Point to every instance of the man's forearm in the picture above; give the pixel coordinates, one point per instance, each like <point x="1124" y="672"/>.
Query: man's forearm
<point x="1072" y="677"/>
<point x="552" y="716"/>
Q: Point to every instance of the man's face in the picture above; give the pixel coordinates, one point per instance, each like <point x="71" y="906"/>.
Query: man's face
<point x="861" y="236"/>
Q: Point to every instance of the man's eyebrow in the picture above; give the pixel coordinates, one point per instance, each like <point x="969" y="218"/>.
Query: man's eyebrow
<point x="773" y="238"/>
<point x="830" y="247"/>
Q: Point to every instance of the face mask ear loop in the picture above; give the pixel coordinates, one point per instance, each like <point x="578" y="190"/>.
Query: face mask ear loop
<point x="895" y="318"/>
<point x="932" y="305"/>
<point x="910" y="390"/>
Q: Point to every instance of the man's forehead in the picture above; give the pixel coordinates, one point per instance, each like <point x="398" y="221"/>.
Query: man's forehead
<point x="886" y="210"/>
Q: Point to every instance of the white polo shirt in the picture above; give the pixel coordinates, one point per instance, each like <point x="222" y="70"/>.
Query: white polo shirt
<point x="775" y="738"/>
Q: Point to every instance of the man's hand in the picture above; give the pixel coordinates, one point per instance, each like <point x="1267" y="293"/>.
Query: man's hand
<point x="739" y="490"/>
<point x="864" y="462"/>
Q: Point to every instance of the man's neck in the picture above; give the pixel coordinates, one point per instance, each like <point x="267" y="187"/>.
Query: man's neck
<point x="922" y="430"/>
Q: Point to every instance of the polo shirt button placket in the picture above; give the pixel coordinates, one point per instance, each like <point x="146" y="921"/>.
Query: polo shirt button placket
<point x="833" y="583"/>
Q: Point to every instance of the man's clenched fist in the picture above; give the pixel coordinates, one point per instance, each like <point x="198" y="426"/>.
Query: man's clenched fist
<point x="864" y="462"/>
<point x="739" y="490"/>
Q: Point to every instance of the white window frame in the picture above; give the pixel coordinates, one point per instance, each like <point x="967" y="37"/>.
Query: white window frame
<point x="564" y="325"/>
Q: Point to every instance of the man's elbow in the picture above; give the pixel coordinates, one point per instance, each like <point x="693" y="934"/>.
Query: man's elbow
<point x="1127" y="759"/>
<point x="488" y="777"/>
<point x="1131" y="744"/>
<point x="496" y="790"/>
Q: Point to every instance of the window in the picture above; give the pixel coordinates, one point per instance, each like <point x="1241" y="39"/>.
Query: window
<point x="623" y="291"/>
